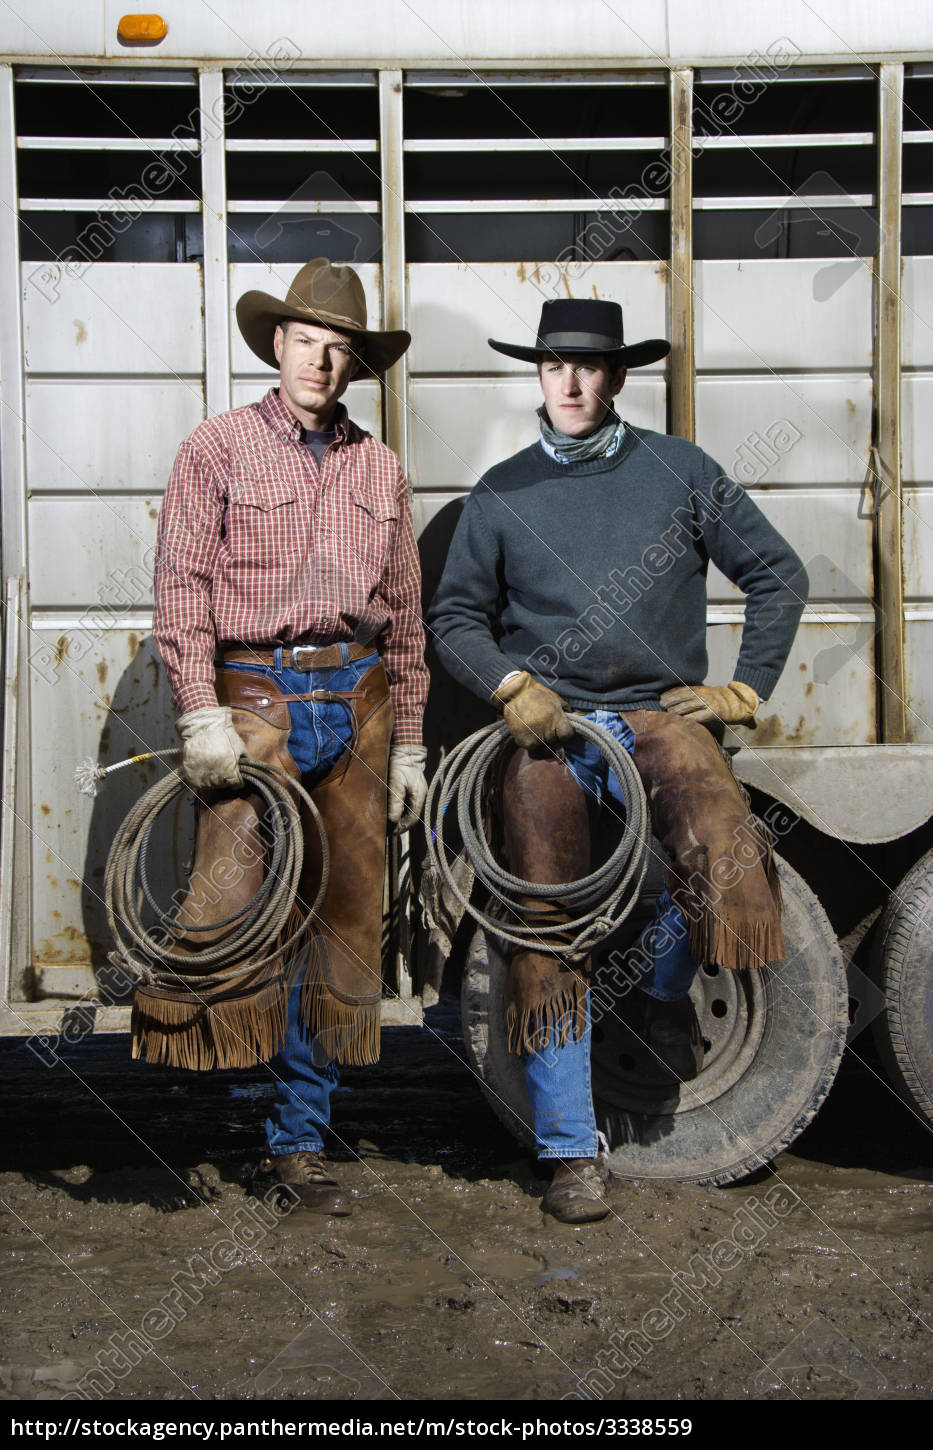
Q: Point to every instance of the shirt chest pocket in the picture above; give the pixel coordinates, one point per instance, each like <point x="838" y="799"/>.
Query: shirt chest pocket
<point x="263" y="523"/>
<point x="373" y="521"/>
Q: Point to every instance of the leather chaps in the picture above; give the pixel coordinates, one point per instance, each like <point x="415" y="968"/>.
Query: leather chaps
<point x="342" y="963"/>
<point x="720" y="870"/>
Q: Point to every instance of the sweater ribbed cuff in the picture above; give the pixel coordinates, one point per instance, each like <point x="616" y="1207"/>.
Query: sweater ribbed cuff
<point x="761" y="681"/>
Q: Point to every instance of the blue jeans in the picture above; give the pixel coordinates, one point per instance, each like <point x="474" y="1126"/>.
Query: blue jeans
<point x="558" y="1078"/>
<point x="320" y="733"/>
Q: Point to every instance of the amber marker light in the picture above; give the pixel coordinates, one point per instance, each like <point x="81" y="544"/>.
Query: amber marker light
<point x="141" y="29"/>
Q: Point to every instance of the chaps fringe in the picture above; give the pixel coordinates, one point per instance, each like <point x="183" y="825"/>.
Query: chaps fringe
<point x="349" y="1032"/>
<point x="224" y="1032"/>
<point x="732" y="939"/>
<point x="531" y="1029"/>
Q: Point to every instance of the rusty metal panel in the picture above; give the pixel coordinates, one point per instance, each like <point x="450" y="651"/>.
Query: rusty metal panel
<point x="99" y="693"/>
<point x="363" y="400"/>
<point x="808" y="313"/>
<point x="857" y="795"/>
<point x="106" y="436"/>
<point x="918" y="632"/>
<point x="918" y="553"/>
<point x="96" y="553"/>
<point x="826" y="694"/>
<point x="276" y="280"/>
<point x="917" y="427"/>
<point x="461" y="427"/>
<point x="113" y="317"/>
<point x="916" y="311"/>
<point x="787" y="430"/>
<point x="454" y="308"/>
<point x="832" y="533"/>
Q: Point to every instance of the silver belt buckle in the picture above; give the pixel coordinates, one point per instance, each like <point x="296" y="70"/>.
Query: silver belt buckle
<point x="300" y="650"/>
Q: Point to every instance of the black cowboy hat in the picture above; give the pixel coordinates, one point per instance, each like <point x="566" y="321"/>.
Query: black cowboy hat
<point x="584" y="325"/>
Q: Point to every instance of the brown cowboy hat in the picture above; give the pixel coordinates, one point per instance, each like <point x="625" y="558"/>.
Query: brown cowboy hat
<point x="331" y="296"/>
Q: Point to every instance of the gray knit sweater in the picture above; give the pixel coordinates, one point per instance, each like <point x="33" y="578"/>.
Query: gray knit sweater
<point x="592" y="575"/>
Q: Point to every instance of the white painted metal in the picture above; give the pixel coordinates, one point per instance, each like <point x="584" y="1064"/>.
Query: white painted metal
<point x="286" y="208"/>
<point x="113" y="319"/>
<point x="789" y="315"/>
<point x="831" y="532"/>
<point x="917" y="426"/>
<point x="91" y="204"/>
<point x="394" y="299"/>
<point x="117" y="550"/>
<point x="737" y="415"/>
<point x="766" y="140"/>
<point x="539" y="143"/>
<point x="918" y="631"/>
<point x="103" y="677"/>
<point x="826" y="695"/>
<point x="15" y="895"/>
<point x="106" y="143"/>
<point x="448" y="34"/>
<point x="455" y="307"/>
<point x="593" y="202"/>
<point x="917" y="314"/>
<point x="68" y="449"/>
<point x="214" y="218"/>
<point x="918" y="555"/>
<point x="292" y="143"/>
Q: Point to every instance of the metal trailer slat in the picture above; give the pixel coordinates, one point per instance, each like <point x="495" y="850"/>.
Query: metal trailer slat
<point x="889" y="511"/>
<point x="67" y="450"/>
<point x="456" y="307"/>
<point x="105" y="143"/>
<point x="100" y="319"/>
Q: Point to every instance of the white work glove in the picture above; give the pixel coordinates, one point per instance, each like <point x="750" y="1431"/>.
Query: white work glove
<point x="408" y="785"/>
<point x="211" y="747"/>
<point x="733" y="704"/>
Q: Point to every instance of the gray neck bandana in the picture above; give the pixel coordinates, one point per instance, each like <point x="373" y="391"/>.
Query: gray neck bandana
<point x="603" y="441"/>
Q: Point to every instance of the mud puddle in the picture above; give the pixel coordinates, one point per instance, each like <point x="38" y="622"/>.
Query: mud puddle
<point x="137" y="1265"/>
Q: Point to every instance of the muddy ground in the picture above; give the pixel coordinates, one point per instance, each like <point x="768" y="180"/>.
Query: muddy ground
<point x="447" y="1281"/>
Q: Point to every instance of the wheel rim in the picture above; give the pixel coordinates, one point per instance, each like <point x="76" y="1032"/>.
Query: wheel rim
<point x="731" y="1008"/>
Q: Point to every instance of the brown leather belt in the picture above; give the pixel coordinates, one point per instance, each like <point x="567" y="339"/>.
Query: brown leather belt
<point x="302" y="657"/>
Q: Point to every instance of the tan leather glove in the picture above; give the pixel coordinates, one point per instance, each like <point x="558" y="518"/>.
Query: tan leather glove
<point x="533" y="713"/>
<point x="733" y="704"/>
<point x="408" y="785"/>
<point x="211" y="747"/>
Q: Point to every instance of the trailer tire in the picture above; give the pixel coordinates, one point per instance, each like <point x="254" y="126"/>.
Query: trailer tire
<point x="903" y="968"/>
<point x="775" y="1035"/>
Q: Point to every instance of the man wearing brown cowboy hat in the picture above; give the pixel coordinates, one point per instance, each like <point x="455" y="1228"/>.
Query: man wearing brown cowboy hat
<point x="576" y="581"/>
<point x="288" y="617"/>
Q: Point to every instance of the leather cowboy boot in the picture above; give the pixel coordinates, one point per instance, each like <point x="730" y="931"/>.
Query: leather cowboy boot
<point x="577" y="1193"/>
<point x="304" y="1176"/>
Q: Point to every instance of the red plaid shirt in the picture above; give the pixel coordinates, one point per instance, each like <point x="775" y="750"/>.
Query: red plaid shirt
<point x="257" y="546"/>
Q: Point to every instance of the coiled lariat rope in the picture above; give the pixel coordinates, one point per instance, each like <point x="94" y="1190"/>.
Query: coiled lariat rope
<point x="603" y="899"/>
<point x="257" y="935"/>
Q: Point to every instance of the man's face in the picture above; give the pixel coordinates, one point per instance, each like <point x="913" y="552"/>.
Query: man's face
<point x="578" y="390"/>
<point x="315" y="366"/>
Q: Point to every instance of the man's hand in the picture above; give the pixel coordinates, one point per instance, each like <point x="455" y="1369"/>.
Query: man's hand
<point x="211" y="747"/>
<point x="733" y="704"/>
<point x="408" y="785"/>
<point x="533" y="713"/>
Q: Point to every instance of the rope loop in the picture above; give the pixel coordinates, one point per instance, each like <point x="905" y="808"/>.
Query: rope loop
<point x="255" y="935"/>
<point x="603" y="899"/>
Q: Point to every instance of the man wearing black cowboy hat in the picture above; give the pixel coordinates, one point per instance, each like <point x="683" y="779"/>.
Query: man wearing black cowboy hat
<point x="576" y="581"/>
<point x="288" y="616"/>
